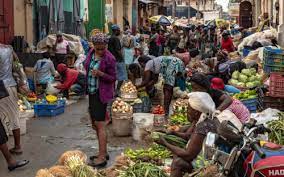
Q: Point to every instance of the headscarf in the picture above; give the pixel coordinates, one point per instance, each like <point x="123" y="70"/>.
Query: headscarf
<point x="217" y="83"/>
<point x="100" y="38"/>
<point x="61" y="68"/>
<point x="202" y="102"/>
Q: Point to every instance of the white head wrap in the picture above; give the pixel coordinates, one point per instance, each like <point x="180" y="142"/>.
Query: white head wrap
<point x="202" y="102"/>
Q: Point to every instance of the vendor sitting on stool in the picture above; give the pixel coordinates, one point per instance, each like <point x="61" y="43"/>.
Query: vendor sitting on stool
<point x="203" y="115"/>
<point x="44" y="71"/>
<point x="71" y="80"/>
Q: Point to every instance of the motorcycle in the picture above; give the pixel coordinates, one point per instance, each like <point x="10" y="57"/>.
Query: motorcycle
<point x="239" y="153"/>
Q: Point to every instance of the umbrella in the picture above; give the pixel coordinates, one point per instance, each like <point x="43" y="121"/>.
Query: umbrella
<point x="162" y="20"/>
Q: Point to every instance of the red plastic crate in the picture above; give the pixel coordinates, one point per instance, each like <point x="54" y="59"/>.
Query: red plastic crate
<point x="276" y="86"/>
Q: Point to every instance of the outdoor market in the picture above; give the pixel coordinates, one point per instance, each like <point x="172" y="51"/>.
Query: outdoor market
<point x="193" y="98"/>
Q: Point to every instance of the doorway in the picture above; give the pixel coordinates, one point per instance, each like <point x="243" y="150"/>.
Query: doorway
<point x="246" y="14"/>
<point x="6" y="21"/>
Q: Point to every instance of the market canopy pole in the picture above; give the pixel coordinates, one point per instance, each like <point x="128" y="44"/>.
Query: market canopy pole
<point x="174" y="9"/>
<point x="188" y="11"/>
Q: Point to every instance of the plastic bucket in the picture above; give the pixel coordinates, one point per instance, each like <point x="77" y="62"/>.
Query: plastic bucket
<point x="121" y="125"/>
<point x="141" y="122"/>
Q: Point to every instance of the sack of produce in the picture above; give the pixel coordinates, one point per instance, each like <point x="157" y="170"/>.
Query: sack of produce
<point x="51" y="90"/>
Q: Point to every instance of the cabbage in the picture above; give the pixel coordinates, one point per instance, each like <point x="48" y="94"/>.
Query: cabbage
<point x="252" y="71"/>
<point x="258" y="77"/>
<point x="252" y="79"/>
<point x="257" y="83"/>
<point x="246" y="72"/>
<point x="241" y="84"/>
<point x="233" y="81"/>
<point x="250" y="84"/>
<point x="243" y="78"/>
<point x="235" y="74"/>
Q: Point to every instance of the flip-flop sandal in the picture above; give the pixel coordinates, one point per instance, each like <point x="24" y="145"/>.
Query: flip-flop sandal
<point x="18" y="165"/>
<point x="16" y="151"/>
<point x="98" y="165"/>
<point x="96" y="156"/>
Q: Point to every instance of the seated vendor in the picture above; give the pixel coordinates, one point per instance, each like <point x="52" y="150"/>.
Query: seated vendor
<point x="71" y="80"/>
<point x="44" y="71"/>
<point x="201" y="83"/>
<point x="201" y="109"/>
<point x="225" y="67"/>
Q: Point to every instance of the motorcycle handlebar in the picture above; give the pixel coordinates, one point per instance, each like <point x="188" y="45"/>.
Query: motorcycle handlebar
<point x="258" y="150"/>
<point x="262" y="129"/>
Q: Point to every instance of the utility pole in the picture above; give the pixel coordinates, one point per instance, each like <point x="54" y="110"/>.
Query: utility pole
<point x="174" y="9"/>
<point x="189" y="11"/>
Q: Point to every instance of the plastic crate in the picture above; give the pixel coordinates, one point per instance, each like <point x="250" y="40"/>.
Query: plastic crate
<point x="138" y="108"/>
<point x="270" y="68"/>
<point x="251" y="104"/>
<point x="272" y="102"/>
<point x="276" y="85"/>
<point x="49" y="110"/>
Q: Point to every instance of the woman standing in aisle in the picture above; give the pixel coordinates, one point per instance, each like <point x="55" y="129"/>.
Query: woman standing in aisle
<point x="101" y="76"/>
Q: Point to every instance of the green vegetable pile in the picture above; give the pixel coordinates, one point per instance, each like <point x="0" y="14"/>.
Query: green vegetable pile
<point x="248" y="94"/>
<point x="248" y="78"/>
<point x="155" y="154"/>
<point x="172" y="139"/>
<point x="277" y="130"/>
<point x="142" y="169"/>
<point x="179" y="119"/>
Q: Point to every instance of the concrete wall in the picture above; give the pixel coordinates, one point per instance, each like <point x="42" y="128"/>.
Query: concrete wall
<point x="23" y="20"/>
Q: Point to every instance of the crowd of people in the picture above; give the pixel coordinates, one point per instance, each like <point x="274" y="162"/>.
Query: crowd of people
<point x="176" y="54"/>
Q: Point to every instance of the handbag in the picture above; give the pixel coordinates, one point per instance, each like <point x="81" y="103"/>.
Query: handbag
<point x="3" y="91"/>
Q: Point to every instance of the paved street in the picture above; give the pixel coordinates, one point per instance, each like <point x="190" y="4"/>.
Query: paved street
<point x="48" y="138"/>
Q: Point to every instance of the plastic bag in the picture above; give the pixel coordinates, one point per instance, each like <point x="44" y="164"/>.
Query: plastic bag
<point x="51" y="90"/>
<point x="228" y="115"/>
<point x="266" y="116"/>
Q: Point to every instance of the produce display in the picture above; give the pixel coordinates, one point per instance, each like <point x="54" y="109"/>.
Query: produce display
<point x="71" y="164"/>
<point x="158" y="110"/>
<point x="128" y="87"/>
<point x="248" y="94"/>
<point x="172" y="139"/>
<point x="142" y="169"/>
<point x="277" y="130"/>
<point x="248" y="78"/>
<point x="51" y="98"/>
<point x="155" y="154"/>
<point x="179" y="119"/>
<point x="120" y="106"/>
<point x="32" y="97"/>
<point x="60" y="171"/>
<point x="180" y="106"/>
